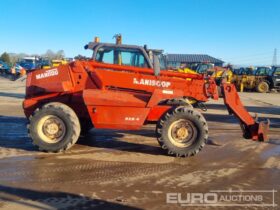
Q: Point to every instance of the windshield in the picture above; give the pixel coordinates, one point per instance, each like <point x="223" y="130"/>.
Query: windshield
<point x="121" y="56"/>
<point x="202" y="68"/>
<point x="162" y="62"/>
<point x="277" y="71"/>
<point x="262" y="71"/>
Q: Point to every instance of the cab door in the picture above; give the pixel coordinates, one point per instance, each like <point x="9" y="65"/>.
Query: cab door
<point x="276" y="77"/>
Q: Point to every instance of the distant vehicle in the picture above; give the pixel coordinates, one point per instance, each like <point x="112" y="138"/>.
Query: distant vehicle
<point x="30" y="63"/>
<point x="253" y="80"/>
<point x="273" y="78"/>
<point x="4" y="67"/>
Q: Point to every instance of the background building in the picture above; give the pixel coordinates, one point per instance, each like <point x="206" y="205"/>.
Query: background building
<point x="177" y="60"/>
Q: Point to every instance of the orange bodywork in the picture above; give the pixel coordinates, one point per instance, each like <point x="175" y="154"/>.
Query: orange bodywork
<point x="251" y="128"/>
<point x="115" y="96"/>
<point x="120" y="97"/>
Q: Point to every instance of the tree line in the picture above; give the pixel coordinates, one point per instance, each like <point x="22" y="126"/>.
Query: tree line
<point x="12" y="58"/>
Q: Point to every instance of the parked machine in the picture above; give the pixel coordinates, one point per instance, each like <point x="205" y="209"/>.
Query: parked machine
<point x="4" y="68"/>
<point x="273" y="78"/>
<point x="30" y="63"/>
<point x="253" y="80"/>
<point x="122" y="88"/>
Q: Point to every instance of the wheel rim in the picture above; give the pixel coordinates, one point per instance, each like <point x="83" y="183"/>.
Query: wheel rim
<point x="182" y="133"/>
<point x="262" y="87"/>
<point x="51" y="129"/>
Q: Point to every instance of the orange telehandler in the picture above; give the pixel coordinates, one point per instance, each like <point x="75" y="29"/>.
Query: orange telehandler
<point x="124" y="87"/>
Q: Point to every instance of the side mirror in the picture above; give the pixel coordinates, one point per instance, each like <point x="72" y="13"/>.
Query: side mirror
<point x="156" y="65"/>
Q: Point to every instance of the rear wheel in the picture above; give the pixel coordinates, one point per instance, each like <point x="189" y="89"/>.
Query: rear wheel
<point x="182" y="132"/>
<point x="85" y="124"/>
<point x="263" y="87"/>
<point x="54" y="128"/>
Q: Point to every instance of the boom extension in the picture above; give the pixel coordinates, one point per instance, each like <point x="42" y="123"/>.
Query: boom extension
<point x="252" y="129"/>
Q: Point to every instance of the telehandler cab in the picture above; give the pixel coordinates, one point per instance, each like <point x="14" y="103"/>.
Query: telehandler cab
<point x="125" y="87"/>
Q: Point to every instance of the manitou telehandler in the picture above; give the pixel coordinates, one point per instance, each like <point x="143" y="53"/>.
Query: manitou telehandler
<point x="125" y="87"/>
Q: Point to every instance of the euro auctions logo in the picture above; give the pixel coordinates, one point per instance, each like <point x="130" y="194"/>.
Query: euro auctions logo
<point x="237" y="198"/>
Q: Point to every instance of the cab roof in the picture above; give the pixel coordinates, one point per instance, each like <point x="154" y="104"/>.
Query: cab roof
<point x="92" y="45"/>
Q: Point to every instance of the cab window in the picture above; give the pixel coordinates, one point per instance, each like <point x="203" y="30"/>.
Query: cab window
<point x="262" y="71"/>
<point x="277" y="72"/>
<point x="121" y="56"/>
<point x="105" y="56"/>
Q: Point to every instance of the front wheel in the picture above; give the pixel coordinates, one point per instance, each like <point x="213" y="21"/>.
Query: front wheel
<point x="263" y="87"/>
<point x="54" y="128"/>
<point x="182" y="132"/>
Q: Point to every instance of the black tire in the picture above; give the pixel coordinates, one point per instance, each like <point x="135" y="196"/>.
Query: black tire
<point x="65" y="121"/>
<point x="263" y="87"/>
<point x="85" y="124"/>
<point x="197" y="132"/>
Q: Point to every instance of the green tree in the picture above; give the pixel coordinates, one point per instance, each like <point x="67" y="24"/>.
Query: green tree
<point x="6" y="58"/>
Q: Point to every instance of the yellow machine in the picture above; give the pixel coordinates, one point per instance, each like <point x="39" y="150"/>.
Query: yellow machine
<point x="218" y="73"/>
<point x="58" y="62"/>
<point x="222" y="74"/>
<point x="246" y="78"/>
<point x="187" y="71"/>
<point x="253" y="80"/>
